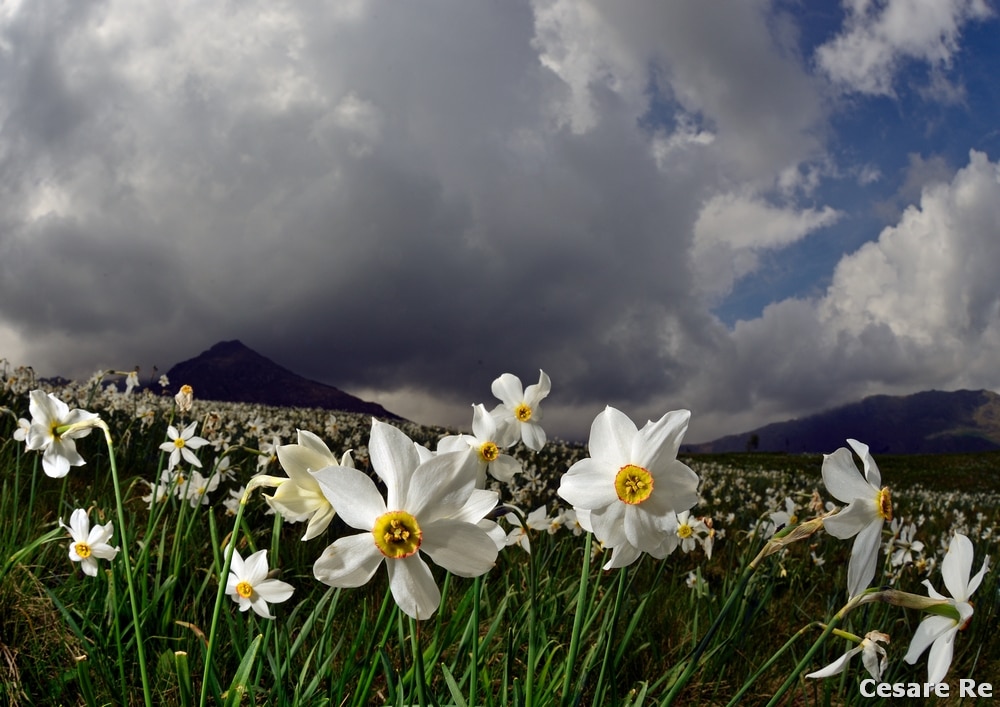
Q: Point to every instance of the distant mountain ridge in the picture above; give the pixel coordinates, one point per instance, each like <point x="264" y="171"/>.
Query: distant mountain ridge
<point x="930" y="422"/>
<point x="232" y="372"/>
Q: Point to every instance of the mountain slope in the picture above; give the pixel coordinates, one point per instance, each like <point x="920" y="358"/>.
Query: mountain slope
<point x="923" y="423"/>
<point x="232" y="372"/>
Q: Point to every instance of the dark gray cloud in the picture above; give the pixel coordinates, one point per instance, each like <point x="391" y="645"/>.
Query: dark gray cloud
<point x="407" y="201"/>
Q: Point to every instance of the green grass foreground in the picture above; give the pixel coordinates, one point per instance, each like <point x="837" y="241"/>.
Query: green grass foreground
<point x="502" y="639"/>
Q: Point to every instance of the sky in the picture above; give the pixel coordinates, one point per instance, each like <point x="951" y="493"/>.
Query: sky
<point x="752" y="209"/>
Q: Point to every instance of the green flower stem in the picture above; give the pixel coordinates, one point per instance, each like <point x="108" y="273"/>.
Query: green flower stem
<point x="477" y="588"/>
<point x="610" y="637"/>
<point x="794" y="675"/>
<point x="771" y="661"/>
<point x="220" y="595"/>
<point x="127" y="567"/>
<point x="418" y="662"/>
<point x="702" y="646"/>
<point x="574" y="641"/>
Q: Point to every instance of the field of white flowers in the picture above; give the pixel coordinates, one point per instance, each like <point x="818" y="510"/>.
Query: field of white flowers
<point x="171" y="550"/>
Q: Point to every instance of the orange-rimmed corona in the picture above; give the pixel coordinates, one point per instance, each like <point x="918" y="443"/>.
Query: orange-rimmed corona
<point x="633" y="484"/>
<point x="397" y="534"/>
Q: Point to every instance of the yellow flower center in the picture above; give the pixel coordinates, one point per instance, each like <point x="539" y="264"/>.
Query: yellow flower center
<point x="244" y="589"/>
<point x="885" y="504"/>
<point x="187" y="390"/>
<point x="523" y="412"/>
<point x="633" y="484"/>
<point x="489" y="452"/>
<point x="82" y="549"/>
<point x="793" y="520"/>
<point x="684" y="531"/>
<point x="397" y="534"/>
<point x="179" y="442"/>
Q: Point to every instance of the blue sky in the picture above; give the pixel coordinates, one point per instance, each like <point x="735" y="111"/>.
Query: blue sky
<point x="754" y="210"/>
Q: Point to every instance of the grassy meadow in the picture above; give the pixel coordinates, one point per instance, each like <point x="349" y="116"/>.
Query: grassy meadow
<point x="706" y="625"/>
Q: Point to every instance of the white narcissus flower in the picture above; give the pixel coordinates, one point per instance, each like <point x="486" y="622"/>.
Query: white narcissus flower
<point x="249" y="586"/>
<point x="869" y="506"/>
<point x="53" y="428"/>
<point x="486" y="441"/>
<point x="427" y="511"/>
<point x="300" y="498"/>
<point x="180" y="445"/>
<point x="632" y="484"/>
<point x="872" y="655"/>
<point x="938" y="631"/>
<point x="519" y="413"/>
<point x="89" y="544"/>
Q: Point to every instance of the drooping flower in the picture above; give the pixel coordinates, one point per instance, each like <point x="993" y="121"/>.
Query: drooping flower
<point x="519" y="413"/>
<point x="53" y="428"/>
<point x="868" y="508"/>
<point x="938" y="631"/>
<point x="872" y="655"/>
<point x="632" y="484"/>
<point x="250" y="587"/>
<point x="426" y="512"/>
<point x="300" y="498"/>
<point x="181" y="443"/>
<point x="487" y="442"/>
<point x="184" y="398"/>
<point x="89" y="544"/>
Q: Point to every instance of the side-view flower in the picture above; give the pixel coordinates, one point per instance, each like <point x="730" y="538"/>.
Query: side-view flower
<point x="938" y="631"/>
<point x="300" y="498"/>
<point x="873" y="656"/>
<point x="53" y="428"/>
<point x="869" y="506"/>
<point x="89" y="544"/>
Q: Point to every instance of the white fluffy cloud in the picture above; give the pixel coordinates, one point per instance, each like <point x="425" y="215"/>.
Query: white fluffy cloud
<point x="879" y="36"/>
<point x="917" y="308"/>
<point x="733" y="229"/>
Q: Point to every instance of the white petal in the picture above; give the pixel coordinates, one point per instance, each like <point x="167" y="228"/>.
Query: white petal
<point x="441" y="485"/>
<point x="589" y="484"/>
<point x="393" y="458"/>
<point x="255" y="568"/>
<point x="484" y="427"/>
<point x="461" y="548"/>
<point x="533" y="436"/>
<point x="842" y="478"/>
<point x="939" y="659"/>
<point x="849" y="521"/>
<point x="837" y="666"/>
<point x="349" y="562"/>
<point x="929" y="630"/>
<point x="622" y="556"/>
<point x="507" y="388"/>
<point x="413" y="587"/>
<point x="609" y="524"/>
<point x="657" y="443"/>
<point x="274" y="591"/>
<point x="864" y="555"/>
<point x="956" y="567"/>
<point x="355" y="497"/>
<point x="611" y="436"/>
<point x="79" y="524"/>
<point x="871" y="471"/>
<point x="534" y="394"/>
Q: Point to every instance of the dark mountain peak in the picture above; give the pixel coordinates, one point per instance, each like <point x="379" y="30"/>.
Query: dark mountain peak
<point x="230" y="371"/>
<point x="932" y="421"/>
